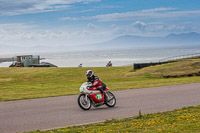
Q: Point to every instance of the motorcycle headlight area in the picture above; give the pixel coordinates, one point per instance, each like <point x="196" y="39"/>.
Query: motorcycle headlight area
<point x="82" y="89"/>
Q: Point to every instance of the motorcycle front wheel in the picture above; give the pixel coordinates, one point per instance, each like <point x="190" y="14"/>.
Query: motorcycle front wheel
<point x="111" y="100"/>
<point x="84" y="102"/>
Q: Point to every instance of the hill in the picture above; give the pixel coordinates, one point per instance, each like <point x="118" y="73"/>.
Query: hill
<point x="171" y="40"/>
<point x="191" y="39"/>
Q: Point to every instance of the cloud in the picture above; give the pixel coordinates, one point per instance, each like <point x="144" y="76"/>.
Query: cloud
<point x="95" y="9"/>
<point x="16" y="7"/>
<point x="92" y="26"/>
<point x="158" y="9"/>
<point x="135" y="15"/>
<point x="140" y="28"/>
<point x="16" y="33"/>
<point x="83" y="11"/>
<point x="19" y="34"/>
<point x="27" y="35"/>
<point x="140" y="25"/>
<point x="102" y="7"/>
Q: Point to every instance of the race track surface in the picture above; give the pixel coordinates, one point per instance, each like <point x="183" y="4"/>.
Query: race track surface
<point x="55" y="112"/>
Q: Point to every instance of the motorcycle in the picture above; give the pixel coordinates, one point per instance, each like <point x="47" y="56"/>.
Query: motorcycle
<point x="91" y="96"/>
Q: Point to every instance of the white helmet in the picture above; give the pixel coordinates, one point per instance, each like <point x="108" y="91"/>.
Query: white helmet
<point x="89" y="73"/>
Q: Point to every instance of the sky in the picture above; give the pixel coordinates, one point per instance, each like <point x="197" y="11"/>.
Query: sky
<point x="34" y="23"/>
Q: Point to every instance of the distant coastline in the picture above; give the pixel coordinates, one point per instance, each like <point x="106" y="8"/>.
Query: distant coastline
<point x="100" y="58"/>
<point x="6" y="60"/>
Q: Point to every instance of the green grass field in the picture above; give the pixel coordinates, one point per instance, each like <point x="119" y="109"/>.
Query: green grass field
<point x="28" y="83"/>
<point x="185" y="120"/>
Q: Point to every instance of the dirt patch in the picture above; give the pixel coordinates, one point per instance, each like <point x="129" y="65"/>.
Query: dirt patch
<point x="196" y="64"/>
<point x="182" y="75"/>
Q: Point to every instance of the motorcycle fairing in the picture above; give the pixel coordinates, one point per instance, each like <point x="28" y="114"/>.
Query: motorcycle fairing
<point x="98" y="97"/>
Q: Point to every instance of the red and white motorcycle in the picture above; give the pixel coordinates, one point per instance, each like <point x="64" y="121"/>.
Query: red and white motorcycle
<point x="92" y="96"/>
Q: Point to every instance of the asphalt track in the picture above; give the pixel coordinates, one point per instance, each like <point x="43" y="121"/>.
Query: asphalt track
<point x="56" y="112"/>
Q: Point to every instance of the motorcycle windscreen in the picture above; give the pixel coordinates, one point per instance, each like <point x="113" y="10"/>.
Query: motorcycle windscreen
<point x="97" y="97"/>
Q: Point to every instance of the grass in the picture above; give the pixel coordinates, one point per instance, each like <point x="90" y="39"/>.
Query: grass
<point x="184" y="120"/>
<point x="182" y="68"/>
<point x="28" y="83"/>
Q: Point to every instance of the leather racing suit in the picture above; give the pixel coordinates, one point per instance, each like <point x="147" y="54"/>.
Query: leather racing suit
<point x="97" y="82"/>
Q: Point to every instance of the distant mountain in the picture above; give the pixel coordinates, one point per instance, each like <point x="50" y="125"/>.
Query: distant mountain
<point x="191" y="39"/>
<point x="129" y="41"/>
<point x="192" y="36"/>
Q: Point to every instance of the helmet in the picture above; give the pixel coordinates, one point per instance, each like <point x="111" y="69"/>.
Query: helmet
<point x="89" y="73"/>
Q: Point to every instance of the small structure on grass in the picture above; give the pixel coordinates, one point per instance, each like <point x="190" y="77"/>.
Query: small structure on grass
<point x="30" y="61"/>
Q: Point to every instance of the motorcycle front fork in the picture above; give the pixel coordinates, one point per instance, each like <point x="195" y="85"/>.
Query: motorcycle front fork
<point x="86" y="97"/>
<point x="106" y="94"/>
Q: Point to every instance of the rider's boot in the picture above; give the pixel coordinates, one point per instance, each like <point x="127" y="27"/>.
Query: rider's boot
<point x="105" y="98"/>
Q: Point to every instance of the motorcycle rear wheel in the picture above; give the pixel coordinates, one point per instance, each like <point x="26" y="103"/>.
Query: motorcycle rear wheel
<point x="85" y="105"/>
<point x="111" y="100"/>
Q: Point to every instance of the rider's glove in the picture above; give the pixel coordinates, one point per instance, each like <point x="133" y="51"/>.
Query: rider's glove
<point x="90" y="86"/>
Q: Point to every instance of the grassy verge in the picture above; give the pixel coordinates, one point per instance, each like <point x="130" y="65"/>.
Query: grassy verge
<point x="27" y="83"/>
<point x="182" y="120"/>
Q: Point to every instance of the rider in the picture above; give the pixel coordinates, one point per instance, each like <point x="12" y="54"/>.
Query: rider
<point x="109" y="64"/>
<point x="96" y="82"/>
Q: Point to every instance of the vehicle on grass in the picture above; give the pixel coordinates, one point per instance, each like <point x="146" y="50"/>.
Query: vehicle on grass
<point x="17" y="64"/>
<point x="92" y="97"/>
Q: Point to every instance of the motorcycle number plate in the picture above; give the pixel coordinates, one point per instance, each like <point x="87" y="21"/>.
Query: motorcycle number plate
<point x="82" y="89"/>
<point x="99" y="96"/>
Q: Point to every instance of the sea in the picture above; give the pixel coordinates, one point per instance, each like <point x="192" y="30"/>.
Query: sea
<point x="99" y="58"/>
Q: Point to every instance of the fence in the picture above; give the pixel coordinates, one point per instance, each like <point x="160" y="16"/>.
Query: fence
<point x="164" y="61"/>
<point x="142" y="65"/>
<point x="179" y="57"/>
